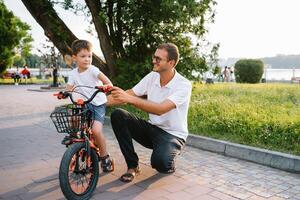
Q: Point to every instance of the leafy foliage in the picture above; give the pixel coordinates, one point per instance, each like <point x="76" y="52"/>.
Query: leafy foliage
<point x="248" y="70"/>
<point x="137" y="27"/>
<point x="33" y="61"/>
<point x="18" y="61"/>
<point x="14" y="37"/>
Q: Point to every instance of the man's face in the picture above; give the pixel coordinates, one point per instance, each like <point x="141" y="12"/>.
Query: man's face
<point x="83" y="58"/>
<point x="161" y="61"/>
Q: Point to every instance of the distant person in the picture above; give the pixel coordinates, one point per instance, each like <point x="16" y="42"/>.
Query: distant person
<point x="226" y="74"/>
<point x="55" y="76"/>
<point x="25" y="73"/>
<point x="16" y="76"/>
<point x="230" y="69"/>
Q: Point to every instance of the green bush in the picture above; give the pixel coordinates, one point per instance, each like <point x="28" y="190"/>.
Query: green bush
<point x="248" y="70"/>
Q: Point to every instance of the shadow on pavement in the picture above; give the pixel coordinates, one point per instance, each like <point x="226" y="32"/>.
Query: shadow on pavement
<point x="37" y="189"/>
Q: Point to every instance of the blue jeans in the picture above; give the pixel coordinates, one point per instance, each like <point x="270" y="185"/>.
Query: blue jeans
<point x="165" y="146"/>
<point x="98" y="112"/>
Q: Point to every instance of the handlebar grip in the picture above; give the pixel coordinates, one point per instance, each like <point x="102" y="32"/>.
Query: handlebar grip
<point x="62" y="95"/>
<point x="104" y="89"/>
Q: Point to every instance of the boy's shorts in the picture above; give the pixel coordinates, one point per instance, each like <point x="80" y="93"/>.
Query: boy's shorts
<point x="98" y="112"/>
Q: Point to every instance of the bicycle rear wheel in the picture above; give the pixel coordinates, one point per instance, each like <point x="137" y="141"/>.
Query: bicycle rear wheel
<point x="78" y="172"/>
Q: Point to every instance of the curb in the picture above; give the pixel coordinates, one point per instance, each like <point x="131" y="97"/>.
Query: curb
<point x="282" y="161"/>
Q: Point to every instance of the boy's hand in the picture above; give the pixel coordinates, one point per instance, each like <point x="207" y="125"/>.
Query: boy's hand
<point x="62" y="95"/>
<point x="105" y="88"/>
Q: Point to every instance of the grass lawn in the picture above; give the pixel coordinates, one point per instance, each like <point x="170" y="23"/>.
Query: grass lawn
<point x="259" y="115"/>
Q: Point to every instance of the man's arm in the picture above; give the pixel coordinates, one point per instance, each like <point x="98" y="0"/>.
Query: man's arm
<point x="111" y="101"/>
<point x="122" y="97"/>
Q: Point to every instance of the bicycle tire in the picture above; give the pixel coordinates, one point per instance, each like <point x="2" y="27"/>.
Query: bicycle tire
<point x="66" y="172"/>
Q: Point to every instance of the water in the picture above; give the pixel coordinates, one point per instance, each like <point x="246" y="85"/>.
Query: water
<point x="281" y="74"/>
<point x="269" y="74"/>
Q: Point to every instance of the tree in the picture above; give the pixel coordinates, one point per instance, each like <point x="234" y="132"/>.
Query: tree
<point x="130" y="30"/>
<point x="14" y="37"/>
<point x="55" y="29"/>
<point x="33" y="61"/>
<point x="18" y="61"/>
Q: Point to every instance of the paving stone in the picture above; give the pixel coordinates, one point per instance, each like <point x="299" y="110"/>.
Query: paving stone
<point x="179" y="195"/>
<point x="30" y="170"/>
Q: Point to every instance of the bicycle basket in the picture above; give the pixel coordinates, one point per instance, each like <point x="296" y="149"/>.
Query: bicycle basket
<point x="71" y="118"/>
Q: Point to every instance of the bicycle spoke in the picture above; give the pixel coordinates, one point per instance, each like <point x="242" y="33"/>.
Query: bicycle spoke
<point x="81" y="178"/>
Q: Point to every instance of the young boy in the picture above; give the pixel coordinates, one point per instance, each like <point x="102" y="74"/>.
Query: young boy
<point x="87" y="74"/>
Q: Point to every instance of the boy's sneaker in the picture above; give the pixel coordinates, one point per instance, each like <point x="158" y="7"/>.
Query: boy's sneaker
<point x="107" y="164"/>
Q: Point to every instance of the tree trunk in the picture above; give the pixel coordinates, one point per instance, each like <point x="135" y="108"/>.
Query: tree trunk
<point x="55" y="29"/>
<point x="105" y="40"/>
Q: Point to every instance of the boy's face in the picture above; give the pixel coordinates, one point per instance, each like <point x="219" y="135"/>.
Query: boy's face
<point x="83" y="58"/>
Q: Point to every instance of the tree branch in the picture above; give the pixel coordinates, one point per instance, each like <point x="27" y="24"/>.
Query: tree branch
<point x="55" y="29"/>
<point x="101" y="28"/>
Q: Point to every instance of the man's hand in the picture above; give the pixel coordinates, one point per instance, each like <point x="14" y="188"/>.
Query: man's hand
<point x="120" y="95"/>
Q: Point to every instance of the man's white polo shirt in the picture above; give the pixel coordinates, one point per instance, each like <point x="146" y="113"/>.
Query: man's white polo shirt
<point x="178" y="90"/>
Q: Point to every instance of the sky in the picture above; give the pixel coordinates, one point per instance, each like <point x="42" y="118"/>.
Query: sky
<point x="244" y="28"/>
<point x="256" y="28"/>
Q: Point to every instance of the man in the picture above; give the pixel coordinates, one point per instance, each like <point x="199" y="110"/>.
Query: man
<point x="168" y="95"/>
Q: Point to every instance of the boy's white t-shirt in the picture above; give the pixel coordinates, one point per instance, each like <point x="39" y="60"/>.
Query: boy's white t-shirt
<point x="88" y="78"/>
<point x="178" y="90"/>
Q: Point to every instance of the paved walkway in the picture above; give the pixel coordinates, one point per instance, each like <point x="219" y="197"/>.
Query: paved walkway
<point x="30" y="153"/>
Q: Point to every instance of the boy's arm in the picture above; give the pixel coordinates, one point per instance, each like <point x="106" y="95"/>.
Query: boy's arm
<point x="69" y="87"/>
<point x="105" y="80"/>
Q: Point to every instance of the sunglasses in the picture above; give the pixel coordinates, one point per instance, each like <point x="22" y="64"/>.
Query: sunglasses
<point x="157" y="59"/>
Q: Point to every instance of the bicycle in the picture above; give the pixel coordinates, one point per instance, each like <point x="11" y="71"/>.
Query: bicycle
<point x="79" y="169"/>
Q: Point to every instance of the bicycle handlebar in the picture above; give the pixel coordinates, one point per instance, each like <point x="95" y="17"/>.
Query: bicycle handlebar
<point x="66" y="94"/>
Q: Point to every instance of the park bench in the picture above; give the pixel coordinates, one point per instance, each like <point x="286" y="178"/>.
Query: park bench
<point x="6" y="75"/>
<point x="295" y="80"/>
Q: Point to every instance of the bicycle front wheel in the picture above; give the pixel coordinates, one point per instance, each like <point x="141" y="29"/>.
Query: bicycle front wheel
<point x="78" y="172"/>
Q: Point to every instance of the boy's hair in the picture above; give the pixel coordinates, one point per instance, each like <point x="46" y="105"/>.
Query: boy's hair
<point x="172" y="49"/>
<point x="78" y="45"/>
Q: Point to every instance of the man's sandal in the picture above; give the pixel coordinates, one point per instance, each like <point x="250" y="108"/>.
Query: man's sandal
<point x="130" y="175"/>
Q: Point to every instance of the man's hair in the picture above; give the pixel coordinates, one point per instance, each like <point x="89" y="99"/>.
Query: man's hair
<point x="172" y="49"/>
<point x="78" y="45"/>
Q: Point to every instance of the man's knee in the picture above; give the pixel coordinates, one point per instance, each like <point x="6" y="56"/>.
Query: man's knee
<point x="117" y="114"/>
<point x="163" y="163"/>
<point x="118" y="120"/>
